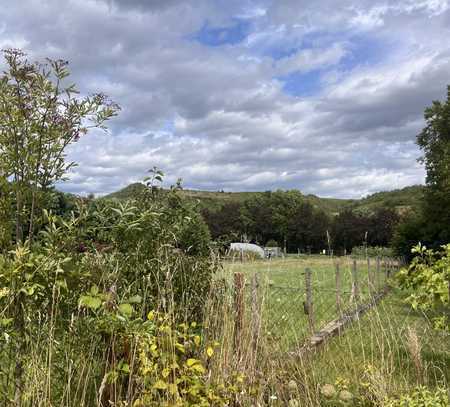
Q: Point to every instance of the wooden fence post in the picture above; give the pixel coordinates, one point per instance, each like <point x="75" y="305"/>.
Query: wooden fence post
<point x="369" y="278"/>
<point x="355" y="288"/>
<point x="239" y="304"/>
<point x="256" y="314"/>
<point x="309" y="300"/>
<point x="378" y="270"/>
<point x="338" y="290"/>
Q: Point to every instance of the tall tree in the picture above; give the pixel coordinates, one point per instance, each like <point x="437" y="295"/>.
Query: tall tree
<point x="40" y="115"/>
<point x="224" y="221"/>
<point x="381" y="226"/>
<point x="434" y="140"/>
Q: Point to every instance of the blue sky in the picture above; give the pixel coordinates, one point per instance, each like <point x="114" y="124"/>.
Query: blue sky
<point x="233" y="34"/>
<point x="247" y="95"/>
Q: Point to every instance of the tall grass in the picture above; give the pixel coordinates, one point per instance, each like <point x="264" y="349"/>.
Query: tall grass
<point x="80" y="361"/>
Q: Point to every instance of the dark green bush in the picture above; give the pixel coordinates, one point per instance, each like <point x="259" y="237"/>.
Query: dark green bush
<point x="408" y="233"/>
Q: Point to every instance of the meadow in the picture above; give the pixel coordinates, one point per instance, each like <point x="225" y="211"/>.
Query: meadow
<point x="390" y="349"/>
<point x="283" y="286"/>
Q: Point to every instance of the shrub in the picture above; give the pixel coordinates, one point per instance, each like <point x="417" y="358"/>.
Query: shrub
<point x="195" y="238"/>
<point x="421" y="397"/>
<point x="152" y="360"/>
<point x="271" y="243"/>
<point x="371" y="251"/>
<point x="429" y="276"/>
<point x="407" y="234"/>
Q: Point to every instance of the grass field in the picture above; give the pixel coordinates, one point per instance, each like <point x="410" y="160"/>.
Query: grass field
<point x="283" y="288"/>
<point x="389" y="350"/>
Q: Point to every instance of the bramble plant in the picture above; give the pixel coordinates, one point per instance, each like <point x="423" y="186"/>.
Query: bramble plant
<point x="428" y="275"/>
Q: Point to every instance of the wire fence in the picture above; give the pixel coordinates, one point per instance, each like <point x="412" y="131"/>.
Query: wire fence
<point x="290" y="314"/>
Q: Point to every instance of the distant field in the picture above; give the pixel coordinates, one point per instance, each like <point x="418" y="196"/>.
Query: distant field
<point x="282" y="283"/>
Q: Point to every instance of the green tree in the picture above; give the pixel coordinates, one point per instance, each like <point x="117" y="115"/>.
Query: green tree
<point x="40" y="115"/>
<point x="434" y="140"/>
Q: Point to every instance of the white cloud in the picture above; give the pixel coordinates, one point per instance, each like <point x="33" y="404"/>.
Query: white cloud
<point x="218" y="118"/>
<point x="310" y="59"/>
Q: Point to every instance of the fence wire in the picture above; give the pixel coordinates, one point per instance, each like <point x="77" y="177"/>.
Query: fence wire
<point x="292" y="314"/>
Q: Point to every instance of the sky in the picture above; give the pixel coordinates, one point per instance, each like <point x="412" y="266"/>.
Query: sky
<point x="239" y="95"/>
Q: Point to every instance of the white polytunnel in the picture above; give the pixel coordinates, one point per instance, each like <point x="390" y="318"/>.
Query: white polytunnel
<point x="248" y="247"/>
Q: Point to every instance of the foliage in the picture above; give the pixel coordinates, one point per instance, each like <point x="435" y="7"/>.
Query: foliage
<point x="167" y="363"/>
<point x="410" y="230"/>
<point x="428" y="275"/>
<point x="172" y="368"/>
<point x="339" y="395"/>
<point x="352" y="229"/>
<point x="271" y="243"/>
<point x="405" y="199"/>
<point x="421" y="397"/>
<point x="224" y="222"/>
<point x="402" y="200"/>
<point x="434" y="140"/>
<point x="431" y="224"/>
<point x="371" y="251"/>
<point x="101" y="258"/>
<point x="300" y="221"/>
<point x="70" y="255"/>
<point x="194" y="236"/>
<point x="157" y="239"/>
<point x="287" y="217"/>
<point x="40" y="116"/>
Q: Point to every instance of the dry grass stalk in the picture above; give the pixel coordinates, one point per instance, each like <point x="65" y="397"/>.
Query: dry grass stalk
<point x="415" y="351"/>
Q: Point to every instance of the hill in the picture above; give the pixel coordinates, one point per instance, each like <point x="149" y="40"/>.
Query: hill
<point x="399" y="199"/>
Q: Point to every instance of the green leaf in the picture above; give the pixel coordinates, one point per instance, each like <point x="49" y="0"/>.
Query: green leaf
<point x="6" y="321"/>
<point x="135" y="299"/>
<point x="191" y="362"/>
<point x="160" y="385"/>
<point x="90" y="302"/>
<point x="126" y="309"/>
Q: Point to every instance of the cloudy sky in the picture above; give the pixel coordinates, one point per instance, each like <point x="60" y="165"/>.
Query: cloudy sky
<point x="326" y="96"/>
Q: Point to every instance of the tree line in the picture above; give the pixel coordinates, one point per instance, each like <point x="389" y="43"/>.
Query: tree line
<point x="287" y="219"/>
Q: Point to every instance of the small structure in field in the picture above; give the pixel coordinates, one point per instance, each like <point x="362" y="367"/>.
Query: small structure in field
<point x="271" y="252"/>
<point x="249" y="248"/>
